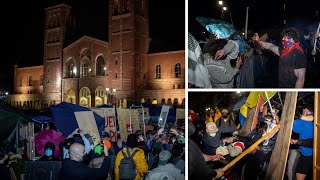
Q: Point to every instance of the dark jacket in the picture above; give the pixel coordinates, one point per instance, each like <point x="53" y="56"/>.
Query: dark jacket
<point x="79" y="170"/>
<point x="210" y="144"/>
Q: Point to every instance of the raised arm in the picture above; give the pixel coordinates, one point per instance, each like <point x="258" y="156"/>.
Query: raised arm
<point x="271" y="47"/>
<point x="266" y="45"/>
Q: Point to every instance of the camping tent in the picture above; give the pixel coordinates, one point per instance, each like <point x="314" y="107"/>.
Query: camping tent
<point x="9" y="120"/>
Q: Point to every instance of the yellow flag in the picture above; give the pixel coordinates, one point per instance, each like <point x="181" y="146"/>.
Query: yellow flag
<point x="253" y="97"/>
<point x="244" y="110"/>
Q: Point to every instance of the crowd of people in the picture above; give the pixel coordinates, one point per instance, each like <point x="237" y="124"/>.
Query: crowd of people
<point x="159" y="155"/>
<point x="218" y="63"/>
<point x="218" y="138"/>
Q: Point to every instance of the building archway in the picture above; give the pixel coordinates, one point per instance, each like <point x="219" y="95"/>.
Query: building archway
<point x="71" y="96"/>
<point x="163" y="101"/>
<point x="100" y="96"/>
<point x="175" y="102"/>
<point x="85" y="97"/>
<point x="169" y="102"/>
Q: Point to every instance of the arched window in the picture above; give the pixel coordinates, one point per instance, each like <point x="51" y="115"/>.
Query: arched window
<point x="177" y="70"/>
<point x="85" y="68"/>
<point x="30" y="80"/>
<point x="100" y="67"/>
<point x="158" y="71"/>
<point x="71" y="70"/>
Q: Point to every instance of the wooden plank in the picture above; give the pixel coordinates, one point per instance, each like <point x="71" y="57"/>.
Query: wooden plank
<point x="278" y="161"/>
<point x="316" y="143"/>
<point x="87" y="124"/>
<point x="251" y="148"/>
<point x="246" y="129"/>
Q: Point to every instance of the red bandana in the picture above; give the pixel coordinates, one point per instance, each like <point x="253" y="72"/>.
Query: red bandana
<point x="294" y="46"/>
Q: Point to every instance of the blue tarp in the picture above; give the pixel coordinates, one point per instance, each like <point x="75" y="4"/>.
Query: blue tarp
<point x="154" y="112"/>
<point x="65" y="119"/>
<point x="42" y="119"/>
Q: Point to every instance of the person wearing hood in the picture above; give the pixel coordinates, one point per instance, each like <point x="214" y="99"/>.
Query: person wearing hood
<point x="212" y="138"/>
<point x="221" y="73"/>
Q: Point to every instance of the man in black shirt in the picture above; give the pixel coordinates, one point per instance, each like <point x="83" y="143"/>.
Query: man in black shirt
<point x="292" y="62"/>
<point x="74" y="168"/>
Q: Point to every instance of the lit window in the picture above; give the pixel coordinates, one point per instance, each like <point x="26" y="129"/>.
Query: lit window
<point x="158" y="72"/>
<point x="177" y="70"/>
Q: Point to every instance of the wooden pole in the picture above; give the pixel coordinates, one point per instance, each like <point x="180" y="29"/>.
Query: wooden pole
<point x="278" y="161"/>
<point x="280" y="99"/>
<point x="251" y="148"/>
<point x="316" y="144"/>
<point x="246" y="25"/>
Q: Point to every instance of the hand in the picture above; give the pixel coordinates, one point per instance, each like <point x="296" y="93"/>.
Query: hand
<point x="235" y="133"/>
<point x="173" y="131"/>
<point x="293" y="141"/>
<point x="216" y="157"/>
<point x="160" y="131"/>
<point x="317" y="35"/>
<point x="219" y="173"/>
<point x="313" y="52"/>
<point x="239" y="62"/>
<point x="219" y="54"/>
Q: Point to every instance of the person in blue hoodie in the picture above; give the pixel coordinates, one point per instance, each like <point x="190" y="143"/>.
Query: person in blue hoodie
<point x="304" y="127"/>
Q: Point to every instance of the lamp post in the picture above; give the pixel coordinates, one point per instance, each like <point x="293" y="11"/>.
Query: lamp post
<point x="112" y="93"/>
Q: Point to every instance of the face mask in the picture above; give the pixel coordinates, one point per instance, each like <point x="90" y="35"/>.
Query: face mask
<point x="48" y="152"/>
<point x="213" y="135"/>
<point x="286" y="44"/>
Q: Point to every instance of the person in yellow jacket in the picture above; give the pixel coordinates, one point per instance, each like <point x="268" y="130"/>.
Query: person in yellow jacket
<point x="139" y="158"/>
<point x="208" y="118"/>
<point x="217" y="114"/>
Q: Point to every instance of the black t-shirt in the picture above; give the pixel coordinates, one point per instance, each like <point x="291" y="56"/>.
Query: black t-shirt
<point x="294" y="60"/>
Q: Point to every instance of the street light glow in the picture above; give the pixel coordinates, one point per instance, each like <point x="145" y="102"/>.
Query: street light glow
<point x="220" y="2"/>
<point x="114" y="89"/>
<point x="224" y="8"/>
<point x="107" y="89"/>
<point x="6" y="93"/>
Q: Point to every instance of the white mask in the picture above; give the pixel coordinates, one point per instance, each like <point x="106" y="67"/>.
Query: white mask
<point x="213" y="135"/>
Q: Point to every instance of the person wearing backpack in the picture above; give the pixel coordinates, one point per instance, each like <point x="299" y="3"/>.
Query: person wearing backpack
<point x="131" y="163"/>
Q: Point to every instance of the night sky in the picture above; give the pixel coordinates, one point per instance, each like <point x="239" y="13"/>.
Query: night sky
<point x="22" y="27"/>
<point x="263" y="14"/>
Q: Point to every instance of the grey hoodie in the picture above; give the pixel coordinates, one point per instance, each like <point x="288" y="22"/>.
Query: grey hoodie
<point x="221" y="73"/>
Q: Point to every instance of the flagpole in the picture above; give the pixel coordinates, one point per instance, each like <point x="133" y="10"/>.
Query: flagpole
<point x="269" y="103"/>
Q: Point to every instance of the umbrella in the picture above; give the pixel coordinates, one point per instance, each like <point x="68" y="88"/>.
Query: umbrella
<point x="45" y="136"/>
<point x="223" y="30"/>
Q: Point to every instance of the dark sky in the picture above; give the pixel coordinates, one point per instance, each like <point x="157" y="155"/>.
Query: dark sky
<point x="263" y="14"/>
<point x="22" y="27"/>
<point x="199" y="101"/>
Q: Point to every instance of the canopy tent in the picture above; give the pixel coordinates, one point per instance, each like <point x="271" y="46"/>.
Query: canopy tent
<point x="9" y="120"/>
<point x="65" y="120"/>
